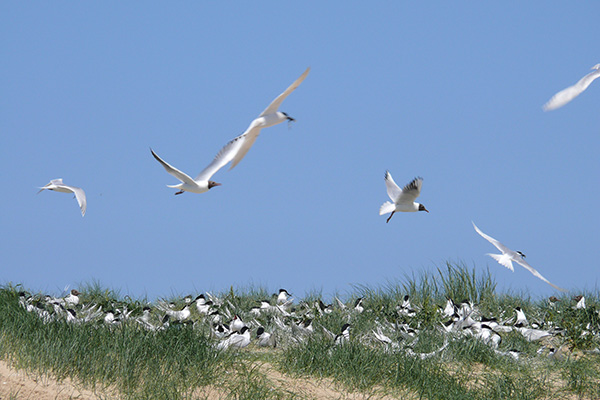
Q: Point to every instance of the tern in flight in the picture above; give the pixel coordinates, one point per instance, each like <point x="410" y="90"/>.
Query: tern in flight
<point x="269" y="117"/>
<point x="235" y="150"/>
<point x="508" y="256"/>
<point x="402" y="199"/>
<point x="566" y="95"/>
<point x="57" y="185"/>
<point x="201" y="183"/>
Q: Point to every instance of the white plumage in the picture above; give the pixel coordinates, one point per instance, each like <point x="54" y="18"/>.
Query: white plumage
<point x="566" y="95"/>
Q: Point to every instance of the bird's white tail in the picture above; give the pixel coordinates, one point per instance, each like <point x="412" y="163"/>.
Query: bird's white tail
<point x="387" y="207"/>
<point x="502" y="260"/>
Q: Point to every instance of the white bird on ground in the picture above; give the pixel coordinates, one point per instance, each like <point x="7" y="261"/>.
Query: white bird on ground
<point x="57" y="185"/>
<point x="521" y="318"/>
<point x="73" y="298"/>
<point x="508" y="256"/>
<point x="236" y="324"/>
<point x="344" y="336"/>
<point x="237" y="340"/>
<point x="402" y="199"/>
<point x="358" y="305"/>
<point x="580" y="302"/>
<point x="269" y="117"/>
<point x="264" y="339"/>
<point x="283" y="296"/>
<point x="566" y="95"/>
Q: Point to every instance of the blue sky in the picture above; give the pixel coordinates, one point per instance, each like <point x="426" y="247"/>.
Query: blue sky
<point x="451" y="92"/>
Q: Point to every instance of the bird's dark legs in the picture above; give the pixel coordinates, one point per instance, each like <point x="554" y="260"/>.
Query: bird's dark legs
<point x="388" y="220"/>
<point x="181" y="191"/>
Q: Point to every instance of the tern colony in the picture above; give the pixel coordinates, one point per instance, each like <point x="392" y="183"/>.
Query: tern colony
<point x="279" y="322"/>
<point x="402" y="200"/>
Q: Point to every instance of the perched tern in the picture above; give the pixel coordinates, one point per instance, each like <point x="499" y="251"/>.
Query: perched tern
<point x="269" y="117"/>
<point x="402" y="199"/>
<point x="237" y="340"/>
<point x="57" y="185"/>
<point x="566" y="95"/>
<point x="264" y="339"/>
<point x="508" y="256"/>
<point x="283" y="296"/>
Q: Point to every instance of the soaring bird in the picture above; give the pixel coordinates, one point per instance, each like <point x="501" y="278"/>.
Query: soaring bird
<point x="566" y="95"/>
<point x="402" y="199"/>
<point x="233" y="151"/>
<point x="269" y="117"/>
<point x="508" y="256"/>
<point x="57" y="185"/>
<point x="201" y="183"/>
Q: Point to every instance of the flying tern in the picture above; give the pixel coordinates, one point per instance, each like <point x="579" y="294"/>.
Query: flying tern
<point x="269" y="117"/>
<point x="566" y="95"/>
<point x="402" y="199"/>
<point x="508" y="256"/>
<point x="57" y="185"/>
<point x="202" y="182"/>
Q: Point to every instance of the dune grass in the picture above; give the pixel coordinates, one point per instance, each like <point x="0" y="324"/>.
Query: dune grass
<point x="182" y="362"/>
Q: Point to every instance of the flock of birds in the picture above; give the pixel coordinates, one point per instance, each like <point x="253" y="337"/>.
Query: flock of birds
<point x="279" y="321"/>
<point x="402" y="200"/>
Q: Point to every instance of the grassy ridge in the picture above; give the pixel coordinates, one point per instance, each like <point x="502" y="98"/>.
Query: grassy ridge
<point x="182" y="362"/>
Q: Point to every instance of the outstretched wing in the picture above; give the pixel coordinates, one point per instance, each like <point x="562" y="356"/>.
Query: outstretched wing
<point x="411" y="191"/>
<point x="80" y="196"/>
<point x="226" y="154"/>
<point x="274" y="106"/>
<point x="182" y="176"/>
<point x="524" y="264"/>
<point x="566" y="95"/>
<point x="393" y="190"/>
<point x="493" y="241"/>
<point x="249" y="138"/>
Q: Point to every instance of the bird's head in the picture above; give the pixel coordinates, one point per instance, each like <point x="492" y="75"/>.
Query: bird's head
<point x="212" y="184"/>
<point x="422" y="208"/>
<point x="521" y="254"/>
<point x="290" y="119"/>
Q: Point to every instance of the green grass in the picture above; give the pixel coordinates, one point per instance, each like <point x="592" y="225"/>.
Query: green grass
<point x="182" y="361"/>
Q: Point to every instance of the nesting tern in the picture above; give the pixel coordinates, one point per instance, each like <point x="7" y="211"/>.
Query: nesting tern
<point x="508" y="256"/>
<point x="566" y="95"/>
<point x="402" y="199"/>
<point x="57" y="185"/>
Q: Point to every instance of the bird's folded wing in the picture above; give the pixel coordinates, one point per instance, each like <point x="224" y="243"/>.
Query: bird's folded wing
<point x="274" y="106"/>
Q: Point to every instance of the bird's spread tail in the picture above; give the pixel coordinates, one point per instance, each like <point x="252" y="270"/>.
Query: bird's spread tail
<point x="502" y="260"/>
<point x="387" y="207"/>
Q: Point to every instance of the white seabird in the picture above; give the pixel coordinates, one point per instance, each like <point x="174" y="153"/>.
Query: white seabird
<point x="402" y="199"/>
<point x="269" y="117"/>
<point x="202" y="182"/>
<point x="237" y="340"/>
<point x="566" y="95"/>
<point x="57" y="185"/>
<point x="508" y="256"/>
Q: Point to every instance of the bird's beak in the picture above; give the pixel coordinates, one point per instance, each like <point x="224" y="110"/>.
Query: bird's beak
<point x="213" y="184"/>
